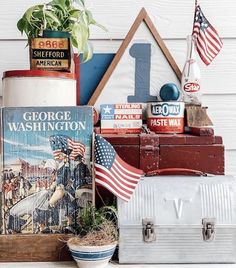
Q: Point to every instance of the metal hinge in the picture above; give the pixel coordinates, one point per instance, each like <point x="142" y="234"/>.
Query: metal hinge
<point x="149" y="148"/>
<point x="148" y="230"/>
<point x="208" y="229"/>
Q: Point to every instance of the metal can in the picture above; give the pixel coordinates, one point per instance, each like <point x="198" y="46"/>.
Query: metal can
<point x="24" y="88"/>
<point x="165" y="117"/>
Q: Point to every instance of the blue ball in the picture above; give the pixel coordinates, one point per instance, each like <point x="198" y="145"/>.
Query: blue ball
<point x="169" y="92"/>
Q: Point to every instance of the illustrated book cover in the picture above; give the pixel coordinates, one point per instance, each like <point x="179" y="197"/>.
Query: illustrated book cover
<point x="46" y="173"/>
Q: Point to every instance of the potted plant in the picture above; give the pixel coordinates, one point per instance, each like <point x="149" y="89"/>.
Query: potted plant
<point x="61" y="18"/>
<point x="97" y="237"/>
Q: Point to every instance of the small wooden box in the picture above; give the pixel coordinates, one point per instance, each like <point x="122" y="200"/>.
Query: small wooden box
<point x="50" y="54"/>
<point x="150" y="152"/>
<point x="34" y="248"/>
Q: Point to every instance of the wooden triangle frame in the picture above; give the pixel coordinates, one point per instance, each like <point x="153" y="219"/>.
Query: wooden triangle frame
<point x="142" y="17"/>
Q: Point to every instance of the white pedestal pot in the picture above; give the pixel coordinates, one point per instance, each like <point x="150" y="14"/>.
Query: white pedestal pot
<point x="91" y="256"/>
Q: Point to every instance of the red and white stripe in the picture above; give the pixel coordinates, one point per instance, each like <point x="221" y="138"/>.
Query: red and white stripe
<point x="121" y="179"/>
<point x="77" y="149"/>
<point x="57" y="153"/>
<point x="208" y="42"/>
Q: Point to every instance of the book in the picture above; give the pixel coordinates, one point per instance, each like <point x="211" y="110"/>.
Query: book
<point x="46" y="173"/>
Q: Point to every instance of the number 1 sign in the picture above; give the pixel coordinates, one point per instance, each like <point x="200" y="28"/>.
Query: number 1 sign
<point x="139" y="69"/>
<point x="142" y="55"/>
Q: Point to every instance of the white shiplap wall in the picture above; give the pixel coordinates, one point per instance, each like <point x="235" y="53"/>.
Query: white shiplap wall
<point x="173" y="19"/>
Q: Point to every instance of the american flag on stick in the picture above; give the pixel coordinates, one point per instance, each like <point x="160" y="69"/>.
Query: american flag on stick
<point x="64" y="144"/>
<point x="208" y="42"/>
<point x="112" y="172"/>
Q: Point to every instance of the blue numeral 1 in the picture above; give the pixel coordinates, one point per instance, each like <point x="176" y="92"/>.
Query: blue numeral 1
<point x="142" y="54"/>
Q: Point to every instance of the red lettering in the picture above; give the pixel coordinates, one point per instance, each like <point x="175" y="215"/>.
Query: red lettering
<point x="128" y="116"/>
<point x="41" y="44"/>
<point x="191" y="87"/>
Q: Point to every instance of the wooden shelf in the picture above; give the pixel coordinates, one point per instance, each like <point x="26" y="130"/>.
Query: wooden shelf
<point x="33" y="248"/>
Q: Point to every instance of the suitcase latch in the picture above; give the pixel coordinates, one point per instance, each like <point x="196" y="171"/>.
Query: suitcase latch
<point x="148" y="231"/>
<point x="208" y="229"/>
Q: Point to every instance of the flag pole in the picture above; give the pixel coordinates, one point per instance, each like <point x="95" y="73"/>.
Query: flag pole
<point x="93" y="170"/>
<point x="191" y="52"/>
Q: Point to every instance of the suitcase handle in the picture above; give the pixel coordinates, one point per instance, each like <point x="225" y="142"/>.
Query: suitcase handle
<point x="176" y="171"/>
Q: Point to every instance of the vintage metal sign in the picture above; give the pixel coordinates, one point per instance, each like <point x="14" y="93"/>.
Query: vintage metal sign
<point x="50" y="54"/>
<point x="121" y="118"/>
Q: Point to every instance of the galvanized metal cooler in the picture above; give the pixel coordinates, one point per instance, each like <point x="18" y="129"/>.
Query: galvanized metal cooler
<point x="179" y="219"/>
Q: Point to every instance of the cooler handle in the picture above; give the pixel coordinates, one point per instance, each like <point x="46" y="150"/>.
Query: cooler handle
<point x="176" y="171"/>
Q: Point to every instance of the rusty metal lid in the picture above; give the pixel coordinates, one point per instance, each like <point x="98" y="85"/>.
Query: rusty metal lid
<point x="38" y="73"/>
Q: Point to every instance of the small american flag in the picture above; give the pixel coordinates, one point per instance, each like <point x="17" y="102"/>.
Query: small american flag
<point x="64" y="144"/>
<point x="208" y="42"/>
<point x="112" y="172"/>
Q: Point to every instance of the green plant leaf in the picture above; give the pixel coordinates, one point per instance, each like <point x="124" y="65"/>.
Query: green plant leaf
<point x="84" y="19"/>
<point x="75" y="14"/>
<point x="29" y="12"/>
<point x="103" y="221"/>
<point x="61" y="15"/>
<point x="51" y="15"/>
<point x="69" y="3"/>
<point x="61" y="4"/>
<point x="38" y="15"/>
<point x="99" y="25"/>
<point x="81" y="34"/>
<point x="110" y="213"/>
<point x="88" y="52"/>
<point x="89" y="16"/>
<point x="74" y="42"/>
<point x="21" y="24"/>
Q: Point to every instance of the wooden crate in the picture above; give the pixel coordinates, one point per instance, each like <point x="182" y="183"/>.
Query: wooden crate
<point x="204" y="153"/>
<point x="34" y="248"/>
<point x="157" y="151"/>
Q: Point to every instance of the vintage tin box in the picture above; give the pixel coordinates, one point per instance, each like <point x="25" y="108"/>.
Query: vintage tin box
<point x="50" y="54"/>
<point x="121" y="118"/>
<point x="150" y="152"/>
<point x="174" y="219"/>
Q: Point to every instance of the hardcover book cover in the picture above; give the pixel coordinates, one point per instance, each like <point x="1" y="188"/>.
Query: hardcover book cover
<point x="46" y="175"/>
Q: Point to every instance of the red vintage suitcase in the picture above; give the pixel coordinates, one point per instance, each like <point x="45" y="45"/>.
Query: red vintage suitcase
<point x="151" y="152"/>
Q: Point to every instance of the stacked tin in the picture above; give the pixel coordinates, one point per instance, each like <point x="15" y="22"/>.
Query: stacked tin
<point x="167" y="114"/>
